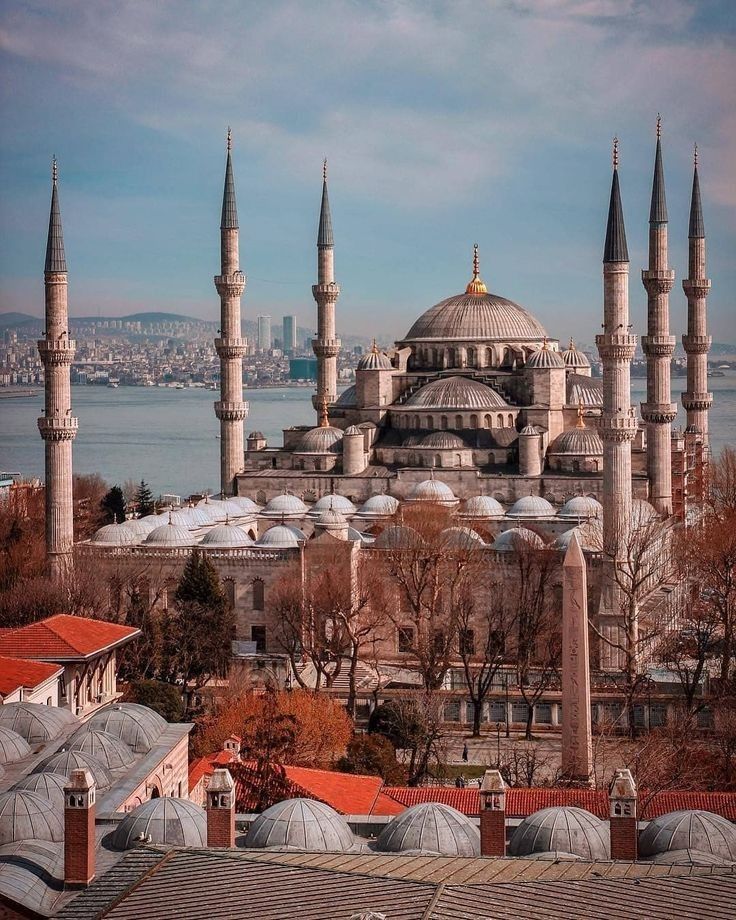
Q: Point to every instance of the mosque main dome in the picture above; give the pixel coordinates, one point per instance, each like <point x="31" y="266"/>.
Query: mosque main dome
<point x="476" y="317"/>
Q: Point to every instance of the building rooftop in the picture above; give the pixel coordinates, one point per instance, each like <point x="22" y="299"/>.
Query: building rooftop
<point x="64" y="638"/>
<point x="20" y="673"/>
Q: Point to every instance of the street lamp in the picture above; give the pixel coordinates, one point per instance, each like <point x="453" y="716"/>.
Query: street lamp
<point x="498" y="745"/>
<point x="506" y="711"/>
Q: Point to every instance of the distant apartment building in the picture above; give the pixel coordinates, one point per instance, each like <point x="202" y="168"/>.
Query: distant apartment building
<point x="303" y="369"/>
<point x="264" y="333"/>
<point x="289" y="334"/>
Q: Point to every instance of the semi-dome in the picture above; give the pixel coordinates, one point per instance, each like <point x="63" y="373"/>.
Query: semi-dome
<point x="301" y="824"/>
<point x="516" y="536"/>
<point x="64" y="762"/>
<point x="397" y="537"/>
<point x="453" y="393"/>
<point x="544" y="358"/>
<point x="49" y="785"/>
<point x="482" y="506"/>
<point x="115" y="535"/>
<point x="321" y="440"/>
<point x="348" y="399"/>
<point x="246" y="505"/>
<point x="695" y="830"/>
<point x="137" y="726"/>
<point x="578" y="441"/>
<point x="432" y="490"/>
<point x="476" y="317"/>
<point x="443" y="440"/>
<point x="169" y="535"/>
<point x="571" y="830"/>
<point x="531" y="506"/>
<point x="287" y="505"/>
<point x="280" y="537"/>
<point x="32" y="875"/>
<point x="375" y="360"/>
<point x="461" y="538"/>
<point x="226" y="536"/>
<point x="27" y="815"/>
<point x="166" y="820"/>
<point x="430" y="827"/>
<point x="107" y="748"/>
<point x="333" y="503"/>
<point x="13" y="746"/>
<point x="379" y="506"/>
<point x="34" y="721"/>
<point x="574" y="358"/>
<point x="581" y="506"/>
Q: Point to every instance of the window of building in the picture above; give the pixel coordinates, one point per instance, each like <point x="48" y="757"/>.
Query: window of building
<point x="430" y="422"/>
<point x="497" y="642"/>
<point x="657" y="715"/>
<point x="443" y="423"/>
<point x="499" y="421"/>
<point x="458" y="421"/>
<point x="438" y="640"/>
<point x="487" y="421"/>
<point x="452" y="711"/>
<point x="258" y="635"/>
<point x="519" y="712"/>
<point x="473" y="421"/>
<point x="259" y="594"/>
<point x="229" y="586"/>
<point x="466" y="642"/>
<point x="497" y="711"/>
<point x="543" y="713"/>
<point x="406" y="638"/>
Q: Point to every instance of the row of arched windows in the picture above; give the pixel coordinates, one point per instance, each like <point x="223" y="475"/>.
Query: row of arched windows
<point x="446" y="422"/>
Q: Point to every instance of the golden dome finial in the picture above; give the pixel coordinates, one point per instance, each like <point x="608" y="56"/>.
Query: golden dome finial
<point x="581" y="420"/>
<point x="571" y="346"/>
<point x="545" y="344"/>
<point x="374" y="347"/>
<point x="477" y="285"/>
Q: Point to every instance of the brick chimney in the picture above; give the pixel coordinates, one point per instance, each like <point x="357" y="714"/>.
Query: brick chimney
<point x="624" y="825"/>
<point x="493" y="814"/>
<point x="221" y="810"/>
<point x="79" y="830"/>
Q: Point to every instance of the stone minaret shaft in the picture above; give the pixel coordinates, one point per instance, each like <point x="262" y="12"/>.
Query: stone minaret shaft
<point x="230" y="347"/>
<point x="658" y="411"/>
<point x="326" y="346"/>
<point x="616" y="348"/>
<point x="57" y="426"/>
<point x="697" y="400"/>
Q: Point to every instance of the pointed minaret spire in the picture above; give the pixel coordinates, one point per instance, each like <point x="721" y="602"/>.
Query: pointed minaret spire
<point x="229" y="219"/>
<point x="55" y="258"/>
<point x="658" y="209"/>
<point x="324" y="233"/>
<point x="697" y="227"/>
<point x="615" y="249"/>
<point x="326" y="345"/>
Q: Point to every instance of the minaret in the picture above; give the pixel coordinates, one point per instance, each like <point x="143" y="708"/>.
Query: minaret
<point x="658" y="411"/>
<point x="57" y="425"/>
<point x="326" y="346"/>
<point x="697" y="400"/>
<point x="230" y="284"/>
<point x="616" y="348"/>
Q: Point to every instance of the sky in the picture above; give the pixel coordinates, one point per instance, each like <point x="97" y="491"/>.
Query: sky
<point x="445" y="124"/>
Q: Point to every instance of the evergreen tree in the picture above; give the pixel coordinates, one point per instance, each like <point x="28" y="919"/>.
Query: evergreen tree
<point x="112" y="506"/>
<point x="144" y="500"/>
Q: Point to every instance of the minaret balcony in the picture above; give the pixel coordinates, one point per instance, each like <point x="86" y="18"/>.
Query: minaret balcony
<point x="231" y="348"/>
<point x="696" y="287"/>
<point x="696" y="344"/>
<point x="659" y="413"/>
<point x="57" y="351"/>
<point x="658" y="346"/>
<point x="231" y="411"/>
<point x="326" y="348"/>
<point x="58" y="429"/>
<point x="696" y="401"/>
<point x="326" y="293"/>
<point x="619" y="347"/>
<point x="658" y="281"/>
<point x="230" y="285"/>
<point x="619" y="428"/>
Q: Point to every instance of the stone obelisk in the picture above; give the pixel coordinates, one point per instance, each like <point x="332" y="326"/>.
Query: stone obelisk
<point x="577" y="743"/>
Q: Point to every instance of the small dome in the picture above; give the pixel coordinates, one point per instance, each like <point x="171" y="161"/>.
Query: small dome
<point x="333" y="503"/>
<point x="166" y="820"/>
<point x="169" y="535"/>
<point x="256" y="436"/>
<point x="456" y="393"/>
<point x="688" y="858"/>
<point x="107" y="748"/>
<point x="352" y="430"/>
<point x="212" y="508"/>
<point x="375" y="360"/>
<point x="13" y="746"/>
<point x="152" y="521"/>
<point x="544" y="358"/>
<point x="140" y="527"/>
<point x="430" y="827"/>
<point x="397" y="537"/>
<point x="301" y="824"/>
<point x="196" y="517"/>
<point x="287" y="504"/>
<point x="461" y="538"/>
<point x="34" y="721"/>
<point x="432" y="490"/>
<point x="137" y="726"/>
<point x="64" y="762"/>
<point x="642" y="512"/>
<point x="322" y="440"/>
<point x="49" y="785"/>
<point x="226" y="536"/>
<point x="115" y="535"/>
<point x="584" y="442"/>
<point x="443" y="440"/>
<point x="26" y="815"/>
<point x="246" y="505"/>
<point x="694" y="830"/>
<point x="182" y="518"/>
<point x="581" y="506"/>
<point x="512" y="538"/>
<point x="574" y="358"/>
<point x="331" y="519"/>
<point x="32" y="875"/>
<point x="280" y="537"/>
<point x="348" y="399"/>
<point x="570" y="830"/>
<point x="529" y="431"/>
<point x="531" y="506"/>
<point x="379" y="506"/>
<point x="482" y="506"/>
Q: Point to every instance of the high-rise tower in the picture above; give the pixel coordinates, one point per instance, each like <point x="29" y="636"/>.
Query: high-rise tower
<point x="230" y="347"/>
<point x="658" y="411"/>
<point x="616" y="348"/>
<point x="57" y="426"/>
<point x="697" y="400"/>
<point x="326" y="291"/>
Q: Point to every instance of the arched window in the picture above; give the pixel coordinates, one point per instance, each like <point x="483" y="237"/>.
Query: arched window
<point x="471" y="357"/>
<point x="489" y="357"/>
<point x="473" y="421"/>
<point x="229" y="586"/>
<point x="437" y="460"/>
<point x="430" y="422"/>
<point x="511" y="420"/>
<point x="487" y="422"/>
<point x="458" y="421"/>
<point x="259" y="594"/>
<point x="458" y="460"/>
<point x="443" y="423"/>
<point x="499" y="421"/>
<point x="417" y="422"/>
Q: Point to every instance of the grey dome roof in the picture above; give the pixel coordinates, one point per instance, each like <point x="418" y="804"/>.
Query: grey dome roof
<point x="280" y="537"/>
<point x="571" y="830"/>
<point x="333" y="503"/>
<point x="510" y="539"/>
<point x="461" y="538"/>
<point x="27" y="815"/>
<point x="137" y="726"/>
<point x="544" y="358"/>
<point x="330" y="519"/>
<point x="529" y="431"/>
<point x="348" y="399"/>
<point x="379" y="506"/>
<point x="375" y="361"/>
<point x="49" y="785"/>
<point x="166" y="820"/>
<point x="140" y="527"/>
<point x="482" y="506"/>
<point x="688" y="858"/>
<point x="13" y="746"/>
<point x="352" y="430"/>
<point x="531" y="506"/>
<point x="453" y="393"/>
<point x="32" y="874"/>
<point x="555" y="856"/>
<point x="213" y="508"/>
<point x="170" y="535"/>
<point x="107" y="748"/>
<point x="302" y="824"/>
<point x="577" y="441"/>
<point x="115" y="535"/>
<point x="431" y="490"/>
<point x="322" y="440"/>
<point x="476" y="317"/>
<point x="183" y="518"/>
<point x="152" y="521"/>
<point x="430" y="827"/>
<point x="581" y="506"/>
<point x="226" y="536"/>
<point x="397" y="537"/>
<point x="574" y="358"/>
<point x="443" y="440"/>
<point x="192" y="517"/>
<point x="287" y="504"/>
<point x="246" y="505"/>
<point x="695" y="830"/>
<point x="34" y="721"/>
<point x="64" y="762"/>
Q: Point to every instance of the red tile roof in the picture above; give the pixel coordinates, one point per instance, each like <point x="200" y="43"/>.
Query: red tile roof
<point x="17" y="672"/>
<point x="206" y="766"/>
<point x="64" y="638"/>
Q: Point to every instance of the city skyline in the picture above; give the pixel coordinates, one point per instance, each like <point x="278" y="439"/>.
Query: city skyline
<point x="427" y="155"/>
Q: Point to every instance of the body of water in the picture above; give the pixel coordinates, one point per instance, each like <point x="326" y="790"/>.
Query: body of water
<point x="170" y="437"/>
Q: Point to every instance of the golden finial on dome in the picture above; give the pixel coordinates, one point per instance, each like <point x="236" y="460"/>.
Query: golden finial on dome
<point x="571" y="346"/>
<point x="581" y="420"/>
<point x="374" y="347"/>
<point x="545" y="344"/>
<point x="477" y="285"/>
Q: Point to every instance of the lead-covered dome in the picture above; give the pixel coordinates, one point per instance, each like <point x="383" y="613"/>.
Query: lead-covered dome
<point x="430" y="827"/>
<point x="286" y="505"/>
<point x="107" y="748"/>
<point x="166" y="820"/>
<point x="581" y="506"/>
<point x="226" y="536"/>
<point x="27" y="815"/>
<point x="115" y="535"/>
<point x="461" y="538"/>
<point x="477" y="316"/>
<point x="571" y="830"/>
<point x="169" y="535"/>
<point x="694" y="830"/>
<point x="481" y="507"/>
<point x="322" y="440"/>
<point x="13" y="746"/>
<point x="280" y="537"/>
<point x="137" y="726"/>
<point x="49" y="785"/>
<point x="301" y="824"/>
<point x="544" y="358"/>
<point x="531" y="506"/>
<point x="34" y="721"/>
<point x="517" y="537"/>
<point x="578" y="441"/>
<point x="375" y="360"/>
<point x="379" y="506"/>
<point x="443" y="440"/>
<point x="64" y="762"/>
<point x="333" y="502"/>
<point x="574" y="358"/>
<point x="432" y="490"/>
<point x="453" y="393"/>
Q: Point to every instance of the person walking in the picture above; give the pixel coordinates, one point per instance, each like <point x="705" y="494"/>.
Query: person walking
<point x="465" y="752"/>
